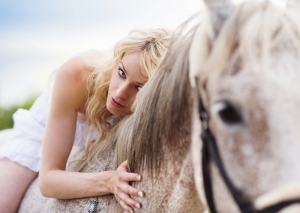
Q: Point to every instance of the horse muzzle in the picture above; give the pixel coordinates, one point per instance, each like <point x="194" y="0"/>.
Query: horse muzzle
<point x="288" y="195"/>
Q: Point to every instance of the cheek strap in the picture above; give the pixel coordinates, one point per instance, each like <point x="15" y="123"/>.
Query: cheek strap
<point x="210" y="153"/>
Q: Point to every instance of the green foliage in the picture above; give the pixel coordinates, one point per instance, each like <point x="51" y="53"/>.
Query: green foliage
<point x="6" y="120"/>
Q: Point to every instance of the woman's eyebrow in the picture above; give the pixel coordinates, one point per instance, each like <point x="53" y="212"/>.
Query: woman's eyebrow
<point x="140" y="84"/>
<point x="123" y="67"/>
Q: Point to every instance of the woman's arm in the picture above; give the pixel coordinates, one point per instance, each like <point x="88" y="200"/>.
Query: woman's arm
<point x="68" y="99"/>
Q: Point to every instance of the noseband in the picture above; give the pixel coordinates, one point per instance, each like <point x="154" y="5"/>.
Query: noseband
<point x="210" y="152"/>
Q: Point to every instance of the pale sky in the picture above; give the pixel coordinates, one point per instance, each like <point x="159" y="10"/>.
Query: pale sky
<point x="37" y="36"/>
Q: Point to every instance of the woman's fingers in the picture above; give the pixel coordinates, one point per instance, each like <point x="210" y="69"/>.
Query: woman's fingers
<point x="124" y="166"/>
<point x="124" y="191"/>
<point x="125" y="175"/>
<point x="131" y="190"/>
<point x="127" y="200"/>
<point x="126" y="207"/>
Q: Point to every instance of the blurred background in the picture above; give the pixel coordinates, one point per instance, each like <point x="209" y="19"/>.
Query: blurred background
<point x="37" y="36"/>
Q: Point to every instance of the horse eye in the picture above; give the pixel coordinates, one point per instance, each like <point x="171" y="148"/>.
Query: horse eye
<point x="229" y="114"/>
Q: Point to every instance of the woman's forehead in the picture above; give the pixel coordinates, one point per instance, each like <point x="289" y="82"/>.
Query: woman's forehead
<point x="131" y="65"/>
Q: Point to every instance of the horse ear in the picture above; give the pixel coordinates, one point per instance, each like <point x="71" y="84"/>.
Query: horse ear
<point x="212" y="21"/>
<point x="199" y="51"/>
<point x="219" y="11"/>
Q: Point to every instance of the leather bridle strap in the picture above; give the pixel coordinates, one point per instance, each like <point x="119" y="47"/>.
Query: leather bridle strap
<point x="210" y="152"/>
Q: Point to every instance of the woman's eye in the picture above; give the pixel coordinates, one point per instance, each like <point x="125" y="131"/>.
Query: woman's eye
<point x="121" y="73"/>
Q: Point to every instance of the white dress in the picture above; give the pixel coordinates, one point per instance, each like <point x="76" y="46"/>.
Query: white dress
<point x="25" y="146"/>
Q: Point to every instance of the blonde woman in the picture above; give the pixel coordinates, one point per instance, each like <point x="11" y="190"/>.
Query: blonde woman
<point x="88" y="89"/>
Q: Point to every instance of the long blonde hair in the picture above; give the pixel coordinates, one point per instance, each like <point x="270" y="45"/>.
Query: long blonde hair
<point x="152" y="43"/>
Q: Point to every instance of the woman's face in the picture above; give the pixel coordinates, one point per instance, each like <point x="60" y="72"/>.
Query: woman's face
<point x="125" y="83"/>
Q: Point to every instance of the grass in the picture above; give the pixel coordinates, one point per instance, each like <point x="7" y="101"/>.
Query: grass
<point x="6" y="121"/>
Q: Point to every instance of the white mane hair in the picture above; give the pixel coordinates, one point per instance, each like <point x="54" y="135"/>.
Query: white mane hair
<point x="242" y="40"/>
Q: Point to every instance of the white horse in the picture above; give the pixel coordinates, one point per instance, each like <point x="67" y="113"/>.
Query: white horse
<point x="246" y="58"/>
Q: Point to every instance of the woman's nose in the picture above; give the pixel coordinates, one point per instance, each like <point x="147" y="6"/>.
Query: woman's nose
<point x="122" y="91"/>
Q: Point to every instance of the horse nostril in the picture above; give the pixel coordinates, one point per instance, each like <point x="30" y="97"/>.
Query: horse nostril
<point x="228" y="113"/>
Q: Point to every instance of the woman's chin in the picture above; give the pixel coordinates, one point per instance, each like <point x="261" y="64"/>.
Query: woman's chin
<point x="117" y="111"/>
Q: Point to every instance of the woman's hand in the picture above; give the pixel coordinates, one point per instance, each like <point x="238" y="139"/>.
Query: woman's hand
<point x="122" y="190"/>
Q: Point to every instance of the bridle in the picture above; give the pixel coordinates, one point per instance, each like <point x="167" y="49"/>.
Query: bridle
<point x="210" y="152"/>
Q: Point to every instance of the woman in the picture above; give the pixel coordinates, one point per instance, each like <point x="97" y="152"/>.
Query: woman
<point x="88" y="89"/>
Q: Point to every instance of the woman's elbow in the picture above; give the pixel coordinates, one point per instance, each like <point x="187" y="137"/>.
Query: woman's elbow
<point x="43" y="187"/>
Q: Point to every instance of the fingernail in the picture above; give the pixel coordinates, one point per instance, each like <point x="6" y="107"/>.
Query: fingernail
<point x="140" y="194"/>
<point x="138" y="177"/>
<point x="138" y="205"/>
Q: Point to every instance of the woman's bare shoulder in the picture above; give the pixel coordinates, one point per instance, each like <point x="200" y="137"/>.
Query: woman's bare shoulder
<point x="72" y="76"/>
<point x="77" y="69"/>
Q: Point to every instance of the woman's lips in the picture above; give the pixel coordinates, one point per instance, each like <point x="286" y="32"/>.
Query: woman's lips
<point x="115" y="103"/>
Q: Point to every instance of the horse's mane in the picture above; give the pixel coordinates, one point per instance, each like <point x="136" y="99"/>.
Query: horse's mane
<point x="254" y="31"/>
<point x="161" y="121"/>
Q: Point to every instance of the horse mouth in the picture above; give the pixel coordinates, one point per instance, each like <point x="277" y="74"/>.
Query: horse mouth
<point x="289" y="192"/>
<point x="291" y="209"/>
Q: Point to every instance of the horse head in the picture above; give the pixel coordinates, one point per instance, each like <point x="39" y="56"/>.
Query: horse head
<point x="245" y="59"/>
